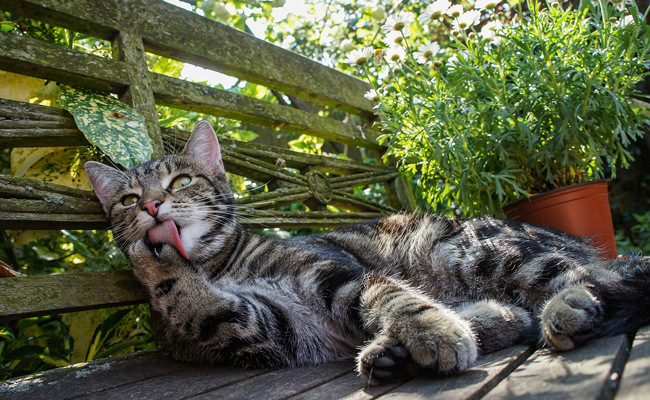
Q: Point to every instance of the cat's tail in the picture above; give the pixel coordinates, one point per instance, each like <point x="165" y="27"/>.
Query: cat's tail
<point x="626" y="303"/>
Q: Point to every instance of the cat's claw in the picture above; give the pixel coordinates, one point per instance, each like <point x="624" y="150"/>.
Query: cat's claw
<point x="570" y="318"/>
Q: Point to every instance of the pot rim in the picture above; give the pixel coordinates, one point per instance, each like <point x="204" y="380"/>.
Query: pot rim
<point x="553" y="192"/>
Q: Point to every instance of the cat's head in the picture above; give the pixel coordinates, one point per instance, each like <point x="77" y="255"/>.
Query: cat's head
<point x="181" y="200"/>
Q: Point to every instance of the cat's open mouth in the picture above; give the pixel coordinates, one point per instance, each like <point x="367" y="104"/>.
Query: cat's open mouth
<point x="165" y="232"/>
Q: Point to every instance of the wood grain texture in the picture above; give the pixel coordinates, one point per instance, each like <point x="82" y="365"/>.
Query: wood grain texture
<point x="182" y="384"/>
<point x="175" y="33"/>
<point x="635" y="382"/>
<point x="91" y="379"/>
<point x="44" y="60"/>
<point x="582" y="373"/>
<point x="349" y="387"/>
<point x="473" y="384"/>
<point x="53" y="294"/>
<point x="282" y="383"/>
<point x="129" y="48"/>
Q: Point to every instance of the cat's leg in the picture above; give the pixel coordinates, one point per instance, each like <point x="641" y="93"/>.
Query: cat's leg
<point x="498" y="326"/>
<point x="206" y="324"/>
<point x="600" y="306"/>
<point x="413" y="333"/>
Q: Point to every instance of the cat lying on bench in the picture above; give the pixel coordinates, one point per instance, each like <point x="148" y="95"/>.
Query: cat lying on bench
<point x="413" y="292"/>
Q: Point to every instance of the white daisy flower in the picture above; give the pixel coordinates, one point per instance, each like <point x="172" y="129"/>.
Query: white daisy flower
<point x="426" y="51"/>
<point x="397" y="22"/>
<point x="489" y="30"/>
<point x="451" y="61"/>
<point x="468" y="19"/>
<point x="395" y="55"/>
<point x="359" y="57"/>
<point x="454" y="11"/>
<point x="434" y="11"/>
<point x="372" y="95"/>
<point x="486" y="4"/>
<point x="396" y="37"/>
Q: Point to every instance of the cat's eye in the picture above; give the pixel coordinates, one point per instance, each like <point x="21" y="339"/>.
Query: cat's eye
<point x="130" y="200"/>
<point x="181" y="182"/>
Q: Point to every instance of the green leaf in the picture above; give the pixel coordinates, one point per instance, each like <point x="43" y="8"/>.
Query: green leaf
<point x="46" y="354"/>
<point x="244" y="136"/>
<point x="117" y="129"/>
<point x="169" y="67"/>
<point x="104" y="332"/>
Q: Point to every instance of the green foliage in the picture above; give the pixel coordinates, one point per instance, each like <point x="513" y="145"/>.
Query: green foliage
<point x="33" y="345"/>
<point x="41" y="343"/>
<point x="639" y="238"/>
<point x="117" y="129"/>
<point x="519" y="109"/>
<point x="69" y="251"/>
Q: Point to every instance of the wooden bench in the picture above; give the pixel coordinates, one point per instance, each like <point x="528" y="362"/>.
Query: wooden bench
<point x="617" y="366"/>
<point x="136" y="26"/>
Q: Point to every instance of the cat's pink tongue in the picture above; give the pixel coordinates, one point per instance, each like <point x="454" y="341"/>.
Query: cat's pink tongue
<point x="166" y="232"/>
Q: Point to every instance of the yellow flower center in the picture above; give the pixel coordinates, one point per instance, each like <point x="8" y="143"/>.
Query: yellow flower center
<point x="361" y="60"/>
<point x="399" y="26"/>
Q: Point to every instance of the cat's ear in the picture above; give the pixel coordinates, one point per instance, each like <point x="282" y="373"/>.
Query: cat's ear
<point x="204" y="146"/>
<point x="105" y="180"/>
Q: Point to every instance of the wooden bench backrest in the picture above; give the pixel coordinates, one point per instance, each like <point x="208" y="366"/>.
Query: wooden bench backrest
<point x="138" y="26"/>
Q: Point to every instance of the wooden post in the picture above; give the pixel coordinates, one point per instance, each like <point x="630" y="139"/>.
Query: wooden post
<point x="129" y="48"/>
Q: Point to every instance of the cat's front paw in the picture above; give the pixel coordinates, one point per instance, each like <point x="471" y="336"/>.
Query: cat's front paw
<point x="386" y="360"/>
<point x="570" y="318"/>
<point x="435" y="340"/>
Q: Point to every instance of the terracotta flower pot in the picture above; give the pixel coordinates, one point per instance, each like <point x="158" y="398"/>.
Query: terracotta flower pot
<point x="581" y="210"/>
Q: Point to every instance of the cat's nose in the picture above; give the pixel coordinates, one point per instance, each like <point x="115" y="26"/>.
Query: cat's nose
<point x="152" y="207"/>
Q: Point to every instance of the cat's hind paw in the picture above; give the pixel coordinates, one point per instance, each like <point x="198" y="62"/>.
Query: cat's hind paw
<point x="570" y="317"/>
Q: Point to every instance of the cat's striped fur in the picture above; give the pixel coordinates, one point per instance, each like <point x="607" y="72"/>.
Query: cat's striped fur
<point x="414" y="292"/>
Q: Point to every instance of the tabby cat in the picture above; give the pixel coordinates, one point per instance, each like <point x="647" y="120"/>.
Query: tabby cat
<point x="413" y="292"/>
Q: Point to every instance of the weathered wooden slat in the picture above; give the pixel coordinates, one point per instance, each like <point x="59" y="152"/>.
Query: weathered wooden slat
<point x="12" y="108"/>
<point x="41" y="138"/>
<point x="283" y="383"/>
<point x="473" y="384"/>
<point x="11" y="124"/>
<point x="583" y="373"/>
<point x="635" y="382"/>
<point x="53" y="294"/>
<point x="59" y="135"/>
<point x="197" y="97"/>
<point x="17" y="187"/>
<point x="47" y="221"/>
<point x="349" y="387"/>
<point x="182" y="384"/>
<point x="90" y="379"/>
<point x="48" y="61"/>
<point x="179" y="34"/>
<point x="70" y="205"/>
<point x="40" y="59"/>
<point x="129" y="48"/>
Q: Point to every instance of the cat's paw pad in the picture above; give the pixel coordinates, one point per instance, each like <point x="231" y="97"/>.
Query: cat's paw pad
<point x="569" y="317"/>
<point x="386" y="360"/>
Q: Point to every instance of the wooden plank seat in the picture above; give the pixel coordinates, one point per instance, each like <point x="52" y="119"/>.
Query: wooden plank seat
<point x="593" y="371"/>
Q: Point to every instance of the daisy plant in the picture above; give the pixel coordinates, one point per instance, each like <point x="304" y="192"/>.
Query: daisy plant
<point x="513" y="101"/>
